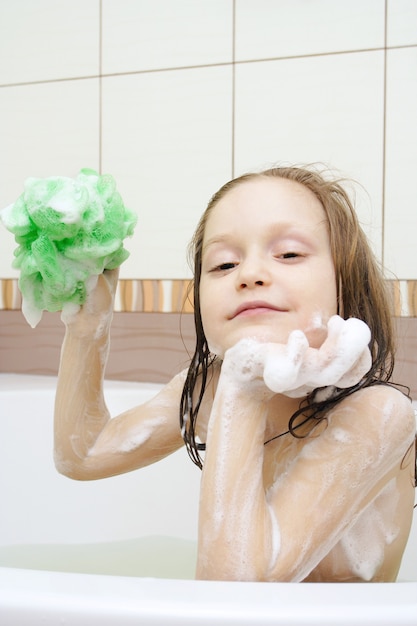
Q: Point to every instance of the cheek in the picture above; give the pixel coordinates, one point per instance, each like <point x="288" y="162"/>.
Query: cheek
<point x="325" y="289"/>
<point x="331" y="293"/>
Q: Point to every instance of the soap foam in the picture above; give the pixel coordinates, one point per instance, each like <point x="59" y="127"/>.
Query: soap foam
<point x="276" y="538"/>
<point x="342" y="360"/>
<point x="141" y="435"/>
<point x="137" y="437"/>
<point x="364" y="545"/>
<point x="231" y="514"/>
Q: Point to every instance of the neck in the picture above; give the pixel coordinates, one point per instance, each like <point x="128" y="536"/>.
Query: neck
<point x="280" y="410"/>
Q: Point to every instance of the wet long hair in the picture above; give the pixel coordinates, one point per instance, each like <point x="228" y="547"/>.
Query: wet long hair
<point x="362" y="292"/>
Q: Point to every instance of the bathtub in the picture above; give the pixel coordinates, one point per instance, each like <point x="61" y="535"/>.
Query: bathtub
<point x="122" y="550"/>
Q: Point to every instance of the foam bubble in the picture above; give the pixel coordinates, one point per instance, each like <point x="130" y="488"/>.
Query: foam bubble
<point x="364" y="545"/>
<point x="341" y="361"/>
<point x="276" y="537"/>
<point x="140" y="436"/>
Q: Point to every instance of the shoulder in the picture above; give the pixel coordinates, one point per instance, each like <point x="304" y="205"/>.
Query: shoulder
<point x="169" y="396"/>
<point x="383" y="400"/>
<point x="380" y="412"/>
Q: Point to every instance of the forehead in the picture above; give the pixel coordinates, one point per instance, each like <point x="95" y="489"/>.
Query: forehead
<point x="266" y="200"/>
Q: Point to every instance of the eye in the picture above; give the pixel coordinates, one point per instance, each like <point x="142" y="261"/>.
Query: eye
<point x="223" y="267"/>
<point x="289" y="255"/>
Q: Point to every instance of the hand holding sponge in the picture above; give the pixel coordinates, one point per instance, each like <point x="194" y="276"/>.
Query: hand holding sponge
<point x="68" y="232"/>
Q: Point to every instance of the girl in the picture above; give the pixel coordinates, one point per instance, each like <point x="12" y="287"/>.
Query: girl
<point x="309" y="457"/>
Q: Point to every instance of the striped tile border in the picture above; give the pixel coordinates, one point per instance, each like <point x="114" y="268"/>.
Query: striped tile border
<point x="133" y="295"/>
<point x="154" y="296"/>
<point x="175" y="296"/>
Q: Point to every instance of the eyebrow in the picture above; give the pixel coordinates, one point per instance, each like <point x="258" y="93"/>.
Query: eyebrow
<point x="280" y="229"/>
<point x="217" y="239"/>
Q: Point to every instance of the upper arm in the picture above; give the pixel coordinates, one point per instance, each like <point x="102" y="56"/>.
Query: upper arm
<point x="337" y="474"/>
<point x="136" y="438"/>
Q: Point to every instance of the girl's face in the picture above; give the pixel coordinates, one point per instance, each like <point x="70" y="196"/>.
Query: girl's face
<point x="267" y="267"/>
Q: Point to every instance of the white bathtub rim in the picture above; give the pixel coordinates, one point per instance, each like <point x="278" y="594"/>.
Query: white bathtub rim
<point x="12" y="382"/>
<point x="46" y="597"/>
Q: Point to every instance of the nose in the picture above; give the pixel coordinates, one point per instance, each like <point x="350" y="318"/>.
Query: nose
<point x="253" y="272"/>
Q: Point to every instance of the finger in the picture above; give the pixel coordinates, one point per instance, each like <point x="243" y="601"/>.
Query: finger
<point x="283" y="363"/>
<point x="357" y="371"/>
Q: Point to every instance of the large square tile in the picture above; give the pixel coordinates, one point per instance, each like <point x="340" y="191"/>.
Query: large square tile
<point x="46" y="130"/>
<point x="401" y="22"/>
<point x="167" y="139"/>
<point x="327" y="109"/>
<point x="154" y="34"/>
<point x="283" y="28"/>
<point x="401" y="163"/>
<point x="48" y="39"/>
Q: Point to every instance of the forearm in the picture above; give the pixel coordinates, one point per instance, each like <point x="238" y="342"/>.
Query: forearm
<point x="80" y="409"/>
<point x="235" y="529"/>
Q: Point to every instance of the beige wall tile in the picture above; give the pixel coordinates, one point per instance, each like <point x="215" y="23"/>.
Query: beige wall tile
<point x="401" y="164"/>
<point x="161" y="33"/>
<point x="46" y="40"/>
<point x="326" y="109"/>
<point x="279" y="28"/>
<point x="167" y="140"/>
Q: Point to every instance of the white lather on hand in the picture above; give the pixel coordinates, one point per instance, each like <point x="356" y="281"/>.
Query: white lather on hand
<point x="295" y="369"/>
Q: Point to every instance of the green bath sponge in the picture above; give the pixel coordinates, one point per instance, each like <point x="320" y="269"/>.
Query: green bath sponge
<point x="68" y="232"/>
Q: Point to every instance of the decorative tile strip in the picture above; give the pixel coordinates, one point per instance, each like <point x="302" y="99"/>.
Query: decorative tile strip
<point x="10" y="297"/>
<point x="412" y="298"/>
<point x="133" y="295"/>
<point x="176" y="296"/>
<point x="153" y="296"/>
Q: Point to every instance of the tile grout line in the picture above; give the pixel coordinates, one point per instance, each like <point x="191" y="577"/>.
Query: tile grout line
<point x="207" y="65"/>
<point x="384" y="135"/>
<point x="100" y="89"/>
<point x="233" y="84"/>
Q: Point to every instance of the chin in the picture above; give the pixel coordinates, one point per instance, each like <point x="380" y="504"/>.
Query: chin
<point x="258" y="334"/>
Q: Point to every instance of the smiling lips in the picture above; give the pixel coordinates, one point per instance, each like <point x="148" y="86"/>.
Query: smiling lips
<point x="254" y="308"/>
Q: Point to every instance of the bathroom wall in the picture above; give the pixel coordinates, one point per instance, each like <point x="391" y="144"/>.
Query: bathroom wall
<point x="174" y="97"/>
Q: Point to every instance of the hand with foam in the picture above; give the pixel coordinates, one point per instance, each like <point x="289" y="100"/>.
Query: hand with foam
<point x="243" y="367"/>
<point x="341" y="361"/>
<point x="295" y="369"/>
<point x="93" y="319"/>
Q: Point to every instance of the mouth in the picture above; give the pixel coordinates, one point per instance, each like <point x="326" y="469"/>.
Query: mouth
<point x="255" y="308"/>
